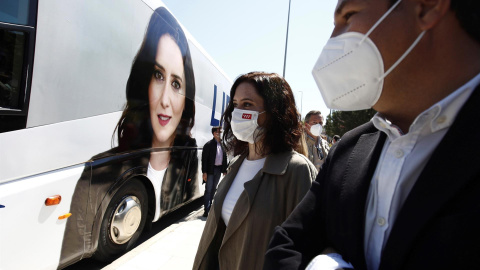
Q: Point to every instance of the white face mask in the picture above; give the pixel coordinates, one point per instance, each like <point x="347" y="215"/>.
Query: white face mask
<point x="316" y="130"/>
<point x="244" y="125"/>
<point x="350" y="71"/>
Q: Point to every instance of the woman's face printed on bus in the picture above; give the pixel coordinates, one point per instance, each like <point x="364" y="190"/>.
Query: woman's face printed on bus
<point x="166" y="92"/>
<point x="247" y="98"/>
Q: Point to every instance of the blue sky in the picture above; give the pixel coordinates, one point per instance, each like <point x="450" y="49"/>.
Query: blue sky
<point x="248" y="35"/>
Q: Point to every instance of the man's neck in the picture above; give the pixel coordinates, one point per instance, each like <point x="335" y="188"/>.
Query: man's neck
<point x="438" y="71"/>
<point x="311" y="135"/>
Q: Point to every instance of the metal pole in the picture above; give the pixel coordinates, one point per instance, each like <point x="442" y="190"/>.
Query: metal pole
<point x="301" y="103"/>
<point x="286" y="40"/>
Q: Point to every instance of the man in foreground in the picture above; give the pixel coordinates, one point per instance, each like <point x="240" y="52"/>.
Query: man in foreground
<point x="400" y="192"/>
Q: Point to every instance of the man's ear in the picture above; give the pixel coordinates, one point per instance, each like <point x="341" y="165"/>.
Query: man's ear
<point x="431" y="12"/>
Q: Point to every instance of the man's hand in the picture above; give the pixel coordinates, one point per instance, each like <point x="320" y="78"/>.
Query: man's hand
<point x="329" y="260"/>
<point x="205" y="177"/>
<point x="307" y="127"/>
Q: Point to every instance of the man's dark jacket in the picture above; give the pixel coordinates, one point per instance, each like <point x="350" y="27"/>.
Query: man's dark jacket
<point x="438" y="226"/>
<point x="208" y="157"/>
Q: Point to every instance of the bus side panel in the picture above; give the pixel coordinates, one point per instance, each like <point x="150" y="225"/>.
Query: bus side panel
<point x="83" y="56"/>
<point x="211" y="97"/>
<point x="28" y="226"/>
<point x="37" y="150"/>
<point x="46" y="148"/>
<point x="77" y="229"/>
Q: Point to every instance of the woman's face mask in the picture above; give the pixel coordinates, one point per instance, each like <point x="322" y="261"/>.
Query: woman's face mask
<point x="244" y="125"/>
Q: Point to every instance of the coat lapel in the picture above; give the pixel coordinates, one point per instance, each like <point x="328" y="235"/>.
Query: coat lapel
<point x="449" y="170"/>
<point x="354" y="189"/>
<point x="274" y="164"/>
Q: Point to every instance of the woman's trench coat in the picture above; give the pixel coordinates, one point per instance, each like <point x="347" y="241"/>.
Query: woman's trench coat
<point x="266" y="202"/>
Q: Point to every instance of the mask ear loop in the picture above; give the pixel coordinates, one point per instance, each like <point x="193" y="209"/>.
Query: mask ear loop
<point x="403" y="55"/>
<point x="379" y="21"/>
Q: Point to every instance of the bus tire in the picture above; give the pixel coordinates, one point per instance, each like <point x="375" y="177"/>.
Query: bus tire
<point x="123" y="221"/>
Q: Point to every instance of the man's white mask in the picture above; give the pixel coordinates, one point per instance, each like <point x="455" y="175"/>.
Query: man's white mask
<point x="349" y="72"/>
<point x="316" y="130"/>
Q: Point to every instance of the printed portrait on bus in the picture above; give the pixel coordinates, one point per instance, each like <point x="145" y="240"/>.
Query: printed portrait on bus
<point x="154" y="167"/>
<point x="160" y="108"/>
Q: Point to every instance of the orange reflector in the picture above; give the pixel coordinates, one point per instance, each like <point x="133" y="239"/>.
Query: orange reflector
<point x="53" y="200"/>
<point x="65" y="216"/>
<point x="189" y="179"/>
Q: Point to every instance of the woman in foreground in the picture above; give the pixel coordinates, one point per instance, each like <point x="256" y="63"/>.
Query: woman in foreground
<point x="266" y="180"/>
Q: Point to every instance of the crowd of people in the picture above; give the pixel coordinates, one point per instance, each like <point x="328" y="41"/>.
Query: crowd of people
<point x="398" y="192"/>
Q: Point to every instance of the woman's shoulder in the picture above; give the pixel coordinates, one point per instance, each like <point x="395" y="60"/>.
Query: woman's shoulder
<point x="300" y="160"/>
<point x="300" y="164"/>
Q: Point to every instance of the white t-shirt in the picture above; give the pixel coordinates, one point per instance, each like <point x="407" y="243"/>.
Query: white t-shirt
<point x="156" y="177"/>
<point x="247" y="171"/>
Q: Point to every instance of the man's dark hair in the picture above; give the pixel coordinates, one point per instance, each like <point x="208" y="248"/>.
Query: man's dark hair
<point x="468" y="15"/>
<point x="336" y="138"/>
<point x="310" y="113"/>
<point x="215" y="129"/>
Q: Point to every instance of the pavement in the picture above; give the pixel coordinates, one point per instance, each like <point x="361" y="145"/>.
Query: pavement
<point x="173" y="248"/>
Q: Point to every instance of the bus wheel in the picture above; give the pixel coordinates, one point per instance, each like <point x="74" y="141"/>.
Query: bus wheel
<point x="123" y="221"/>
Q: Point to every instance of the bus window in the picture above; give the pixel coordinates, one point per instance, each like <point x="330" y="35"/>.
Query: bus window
<point x="17" y="32"/>
<point x="16" y="53"/>
<point x="18" y="12"/>
<point x="11" y="62"/>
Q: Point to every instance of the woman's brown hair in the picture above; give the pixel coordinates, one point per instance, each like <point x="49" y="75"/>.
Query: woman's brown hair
<point x="282" y="128"/>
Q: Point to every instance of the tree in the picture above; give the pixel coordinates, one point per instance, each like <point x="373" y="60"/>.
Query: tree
<point x="339" y="122"/>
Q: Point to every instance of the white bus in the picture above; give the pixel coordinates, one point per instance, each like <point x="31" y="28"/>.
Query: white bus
<point x="104" y="109"/>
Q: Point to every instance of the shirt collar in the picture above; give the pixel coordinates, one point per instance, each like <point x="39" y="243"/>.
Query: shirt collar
<point x="439" y="116"/>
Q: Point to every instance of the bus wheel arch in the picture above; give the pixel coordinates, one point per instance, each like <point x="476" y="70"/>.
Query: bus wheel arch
<point x="123" y="220"/>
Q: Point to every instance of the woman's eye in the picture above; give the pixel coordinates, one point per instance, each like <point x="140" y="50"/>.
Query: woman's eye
<point x="158" y="75"/>
<point x="235" y="105"/>
<point x="176" y="85"/>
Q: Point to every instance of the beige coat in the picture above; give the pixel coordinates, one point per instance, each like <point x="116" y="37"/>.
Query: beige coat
<point x="265" y="203"/>
<point x="312" y="145"/>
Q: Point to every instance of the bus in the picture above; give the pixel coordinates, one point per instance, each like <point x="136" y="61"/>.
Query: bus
<point x="104" y="109"/>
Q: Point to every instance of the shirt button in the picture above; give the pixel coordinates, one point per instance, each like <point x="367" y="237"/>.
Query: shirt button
<point x="441" y="119"/>
<point x="399" y="153"/>
<point x="380" y="221"/>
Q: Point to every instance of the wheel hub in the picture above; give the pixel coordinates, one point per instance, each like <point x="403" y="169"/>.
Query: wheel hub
<point x="126" y="220"/>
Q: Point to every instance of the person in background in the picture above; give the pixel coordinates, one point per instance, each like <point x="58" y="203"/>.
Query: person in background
<point x="335" y="139"/>
<point x="264" y="183"/>
<point x="399" y="192"/>
<point x="317" y="146"/>
<point x="214" y="163"/>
